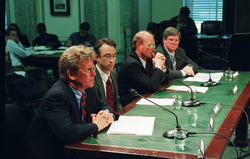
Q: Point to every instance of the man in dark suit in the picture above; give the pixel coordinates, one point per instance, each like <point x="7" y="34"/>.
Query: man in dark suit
<point x="178" y="63"/>
<point x="140" y="71"/>
<point x="45" y="39"/>
<point x="105" y="56"/>
<point x="70" y="110"/>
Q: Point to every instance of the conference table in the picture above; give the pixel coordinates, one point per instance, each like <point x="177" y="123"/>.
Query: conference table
<point x="229" y="119"/>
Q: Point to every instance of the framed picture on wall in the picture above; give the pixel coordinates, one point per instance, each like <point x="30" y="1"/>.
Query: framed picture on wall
<point x="60" y="7"/>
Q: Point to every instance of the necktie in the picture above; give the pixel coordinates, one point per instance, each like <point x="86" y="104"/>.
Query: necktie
<point x="110" y="96"/>
<point x="174" y="62"/>
<point x="147" y="69"/>
<point x="83" y="105"/>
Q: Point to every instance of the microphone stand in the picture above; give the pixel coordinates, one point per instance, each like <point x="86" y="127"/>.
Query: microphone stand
<point x="169" y="133"/>
<point x="228" y="69"/>
<point x="210" y="82"/>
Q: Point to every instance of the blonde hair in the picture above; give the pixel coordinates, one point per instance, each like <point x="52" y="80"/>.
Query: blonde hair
<point x="71" y="58"/>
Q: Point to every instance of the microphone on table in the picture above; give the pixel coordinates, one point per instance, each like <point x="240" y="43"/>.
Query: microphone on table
<point x="169" y="133"/>
<point x="189" y="103"/>
<point x="210" y="82"/>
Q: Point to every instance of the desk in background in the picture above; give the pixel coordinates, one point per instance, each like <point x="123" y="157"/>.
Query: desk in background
<point x="155" y="146"/>
<point x="201" y="38"/>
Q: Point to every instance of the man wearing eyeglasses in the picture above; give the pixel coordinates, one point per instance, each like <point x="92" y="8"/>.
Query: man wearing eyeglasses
<point x="106" y="84"/>
<point x="142" y="70"/>
<point x="70" y="110"/>
<point x="178" y="63"/>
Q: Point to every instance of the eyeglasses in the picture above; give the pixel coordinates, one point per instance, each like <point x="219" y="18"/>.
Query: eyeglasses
<point x="89" y="70"/>
<point x="108" y="57"/>
<point x="172" y="40"/>
<point x="151" y="46"/>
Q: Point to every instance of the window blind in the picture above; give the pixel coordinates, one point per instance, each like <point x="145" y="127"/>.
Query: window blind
<point x="205" y="10"/>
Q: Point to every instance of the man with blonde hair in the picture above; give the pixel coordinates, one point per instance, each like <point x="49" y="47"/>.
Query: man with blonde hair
<point x="70" y="110"/>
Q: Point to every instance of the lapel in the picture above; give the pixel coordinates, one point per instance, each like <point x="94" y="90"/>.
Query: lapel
<point x="168" y="60"/>
<point x="114" y="84"/>
<point x="100" y="87"/>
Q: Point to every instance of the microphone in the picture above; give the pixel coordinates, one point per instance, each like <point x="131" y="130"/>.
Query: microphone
<point x="200" y="50"/>
<point x="210" y="82"/>
<point x="169" y="133"/>
<point x="189" y="103"/>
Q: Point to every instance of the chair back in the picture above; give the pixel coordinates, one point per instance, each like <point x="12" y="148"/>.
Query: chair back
<point x="211" y="27"/>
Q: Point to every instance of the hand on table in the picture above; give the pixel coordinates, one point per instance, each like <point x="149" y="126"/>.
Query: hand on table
<point x="188" y="70"/>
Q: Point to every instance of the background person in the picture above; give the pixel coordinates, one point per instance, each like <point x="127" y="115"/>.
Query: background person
<point x="45" y="39"/>
<point x="23" y="38"/>
<point x="82" y="37"/>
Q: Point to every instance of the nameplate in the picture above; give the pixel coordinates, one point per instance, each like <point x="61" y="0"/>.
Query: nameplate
<point x="201" y="149"/>
<point x="234" y="90"/>
<point x="216" y="108"/>
<point x="236" y="74"/>
<point x="211" y="123"/>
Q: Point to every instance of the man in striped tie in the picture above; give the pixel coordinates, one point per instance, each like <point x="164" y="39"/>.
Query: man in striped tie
<point x="71" y="109"/>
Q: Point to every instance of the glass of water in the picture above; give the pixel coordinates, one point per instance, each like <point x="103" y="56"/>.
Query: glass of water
<point x="179" y="138"/>
<point x="177" y="101"/>
<point x="192" y="117"/>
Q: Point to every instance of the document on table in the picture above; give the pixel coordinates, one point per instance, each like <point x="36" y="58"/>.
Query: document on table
<point x="185" y="88"/>
<point x="47" y="52"/>
<point x="132" y="125"/>
<point x="41" y="48"/>
<point x="160" y="101"/>
<point x="203" y="77"/>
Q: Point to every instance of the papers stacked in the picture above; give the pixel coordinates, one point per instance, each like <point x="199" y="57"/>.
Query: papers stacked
<point x="203" y="77"/>
<point x="185" y="88"/>
<point x="41" y="48"/>
<point x="160" y="101"/>
<point x="132" y="125"/>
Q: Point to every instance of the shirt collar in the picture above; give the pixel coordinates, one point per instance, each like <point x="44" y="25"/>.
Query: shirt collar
<point x="103" y="75"/>
<point x="143" y="62"/>
<point x="77" y="93"/>
<point x="170" y="54"/>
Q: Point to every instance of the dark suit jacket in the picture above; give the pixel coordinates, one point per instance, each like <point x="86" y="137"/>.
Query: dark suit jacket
<point x="58" y="121"/>
<point x="133" y="75"/>
<point x="50" y="38"/>
<point x="100" y="88"/>
<point x="190" y="25"/>
<point x="179" y="63"/>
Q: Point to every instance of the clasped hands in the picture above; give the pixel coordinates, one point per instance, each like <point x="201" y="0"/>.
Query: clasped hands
<point x="188" y="70"/>
<point x="102" y="119"/>
<point x="159" y="60"/>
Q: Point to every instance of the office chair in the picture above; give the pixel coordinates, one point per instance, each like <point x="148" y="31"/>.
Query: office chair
<point x="214" y="47"/>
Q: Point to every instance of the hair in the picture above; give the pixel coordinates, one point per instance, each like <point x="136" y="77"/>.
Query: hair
<point x="185" y="11"/>
<point x="16" y="26"/>
<point x="41" y="25"/>
<point x="7" y="31"/>
<point x="100" y="42"/>
<point x="71" y="59"/>
<point x="139" y="38"/>
<point x="171" y="31"/>
<point x="84" y="26"/>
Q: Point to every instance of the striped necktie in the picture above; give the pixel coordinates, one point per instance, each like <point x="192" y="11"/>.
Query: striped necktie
<point x="83" y="105"/>
<point x="174" y="62"/>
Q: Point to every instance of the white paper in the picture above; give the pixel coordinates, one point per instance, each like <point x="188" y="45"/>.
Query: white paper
<point x="132" y="125"/>
<point x="185" y="88"/>
<point x="48" y="52"/>
<point x="40" y="48"/>
<point x="203" y="77"/>
<point x="160" y="101"/>
<point x="62" y="48"/>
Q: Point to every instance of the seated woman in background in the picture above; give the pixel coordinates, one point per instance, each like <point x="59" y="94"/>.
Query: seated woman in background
<point x="23" y="38"/>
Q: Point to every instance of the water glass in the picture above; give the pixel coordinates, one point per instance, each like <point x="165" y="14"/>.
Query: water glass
<point x="192" y="117"/>
<point x="179" y="138"/>
<point x="194" y="89"/>
<point x="228" y="75"/>
<point x="177" y="101"/>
